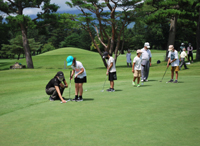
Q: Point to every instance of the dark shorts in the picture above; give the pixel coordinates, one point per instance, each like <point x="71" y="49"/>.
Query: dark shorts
<point x="81" y="80"/>
<point x="112" y="76"/>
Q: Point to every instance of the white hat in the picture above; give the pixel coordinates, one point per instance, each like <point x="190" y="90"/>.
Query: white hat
<point x="182" y="44"/>
<point x="170" y="47"/>
<point x="139" y="51"/>
<point x="147" y="44"/>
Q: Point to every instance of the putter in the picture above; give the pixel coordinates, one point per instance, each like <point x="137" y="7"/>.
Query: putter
<point x="164" y="74"/>
<point x="70" y="86"/>
<point x="104" y="84"/>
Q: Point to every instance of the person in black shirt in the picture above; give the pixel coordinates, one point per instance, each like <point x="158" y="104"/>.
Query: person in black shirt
<point x="55" y="87"/>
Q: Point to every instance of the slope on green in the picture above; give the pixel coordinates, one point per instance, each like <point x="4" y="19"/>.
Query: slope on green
<point x="154" y="114"/>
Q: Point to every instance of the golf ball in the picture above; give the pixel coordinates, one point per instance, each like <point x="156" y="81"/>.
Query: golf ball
<point x="85" y="90"/>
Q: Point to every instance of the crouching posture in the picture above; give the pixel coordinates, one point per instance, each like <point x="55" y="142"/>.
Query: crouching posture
<point x="55" y="87"/>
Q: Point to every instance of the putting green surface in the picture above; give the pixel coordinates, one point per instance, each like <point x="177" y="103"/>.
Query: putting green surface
<point x="155" y="114"/>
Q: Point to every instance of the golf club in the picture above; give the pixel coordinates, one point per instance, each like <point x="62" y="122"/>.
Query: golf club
<point x="104" y="84"/>
<point x="69" y="86"/>
<point x="164" y="74"/>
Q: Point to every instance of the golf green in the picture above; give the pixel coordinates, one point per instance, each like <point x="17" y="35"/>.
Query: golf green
<point x="154" y="114"/>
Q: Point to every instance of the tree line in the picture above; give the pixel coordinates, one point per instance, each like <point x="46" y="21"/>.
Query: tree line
<point x="109" y="25"/>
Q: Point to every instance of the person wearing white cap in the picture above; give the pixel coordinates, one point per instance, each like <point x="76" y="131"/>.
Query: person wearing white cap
<point x="136" y="68"/>
<point x="79" y="73"/>
<point x="128" y="58"/>
<point x="173" y="59"/>
<point x="146" y="61"/>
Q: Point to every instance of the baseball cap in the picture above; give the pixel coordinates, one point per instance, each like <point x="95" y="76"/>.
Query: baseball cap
<point x="69" y="60"/>
<point x="105" y="54"/>
<point x="170" y="47"/>
<point x="139" y="51"/>
<point x="60" y="74"/>
<point x="147" y="44"/>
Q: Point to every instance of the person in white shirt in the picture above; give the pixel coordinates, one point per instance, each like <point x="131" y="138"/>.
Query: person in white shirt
<point x="146" y="61"/>
<point x="128" y="58"/>
<point x="136" y="68"/>
<point x="182" y="59"/>
<point x="80" y="76"/>
<point x="111" y="70"/>
<point x="173" y="59"/>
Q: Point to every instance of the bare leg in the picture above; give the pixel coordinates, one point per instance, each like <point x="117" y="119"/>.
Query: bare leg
<point x="134" y="79"/>
<point x="176" y="75"/>
<point x="172" y="75"/>
<point x="112" y="84"/>
<point x="76" y="88"/>
<point x="138" y="80"/>
<point x="80" y="89"/>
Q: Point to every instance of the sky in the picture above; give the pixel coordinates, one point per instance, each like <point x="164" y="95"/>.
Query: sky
<point x="60" y="3"/>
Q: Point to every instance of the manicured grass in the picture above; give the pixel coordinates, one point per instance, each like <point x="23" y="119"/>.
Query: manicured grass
<point x="155" y="114"/>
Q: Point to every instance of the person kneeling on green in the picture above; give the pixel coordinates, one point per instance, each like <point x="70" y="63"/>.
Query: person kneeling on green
<point x="55" y="88"/>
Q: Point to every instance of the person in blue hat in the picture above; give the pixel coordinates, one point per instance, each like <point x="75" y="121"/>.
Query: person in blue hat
<point x="80" y="77"/>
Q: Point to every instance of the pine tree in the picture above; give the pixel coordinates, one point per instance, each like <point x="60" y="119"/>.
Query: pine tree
<point x="16" y="7"/>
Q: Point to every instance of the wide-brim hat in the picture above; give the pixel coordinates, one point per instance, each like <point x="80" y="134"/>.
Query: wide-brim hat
<point x="170" y="47"/>
<point x="139" y="51"/>
<point x="69" y="60"/>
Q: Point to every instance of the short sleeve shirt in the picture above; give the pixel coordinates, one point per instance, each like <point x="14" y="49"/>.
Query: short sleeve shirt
<point x="78" y="68"/>
<point x="172" y="56"/>
<point x="146" y="54"/>
<point x="183" y="54"/>
<point x="137" y="60"/>
<point x="111" y="60"/>
<point x="53" y="82"/>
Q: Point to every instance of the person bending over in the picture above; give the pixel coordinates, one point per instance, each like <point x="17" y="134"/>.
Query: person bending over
<point x="55" y="87"/>
<point x="80" y="77"/>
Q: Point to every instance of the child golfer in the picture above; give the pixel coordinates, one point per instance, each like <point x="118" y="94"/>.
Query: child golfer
<point x="79" y="77"/>
<point x="55" y="88"/>
<point x="111" y="70"/>
<point x="182" y="59"/>
<point x="128" y="58"/>
<point x="136" y="68"/>
<point x="173" y="59"/>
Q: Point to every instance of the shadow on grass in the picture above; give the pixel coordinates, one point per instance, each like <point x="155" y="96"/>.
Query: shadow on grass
<point x="145" y="85"/>
<point x="5" y="65"/>
<point x="152" y="80"/>
<point x="118" y="90"/>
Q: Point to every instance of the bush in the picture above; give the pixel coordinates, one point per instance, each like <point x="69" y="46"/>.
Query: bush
<point x="47" y="47"/>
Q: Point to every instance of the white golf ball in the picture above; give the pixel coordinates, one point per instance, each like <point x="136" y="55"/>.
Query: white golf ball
<point x="85" y="90"/>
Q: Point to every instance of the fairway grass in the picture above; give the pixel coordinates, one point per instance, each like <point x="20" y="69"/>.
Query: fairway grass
<point x="155" y="114"/>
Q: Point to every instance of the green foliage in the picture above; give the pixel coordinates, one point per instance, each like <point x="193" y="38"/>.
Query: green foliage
<point x="47" y="47"/>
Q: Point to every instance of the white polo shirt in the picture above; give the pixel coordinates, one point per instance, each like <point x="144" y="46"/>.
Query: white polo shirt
<point x="78" y="68"/>
<point x="111" y="60"/>
<point x="183" y="54"/>
<point x="146" y="54"/>
<point x="172" y="56"/>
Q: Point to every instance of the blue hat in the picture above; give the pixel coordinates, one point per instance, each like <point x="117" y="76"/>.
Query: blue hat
<point x="69" y="60"/>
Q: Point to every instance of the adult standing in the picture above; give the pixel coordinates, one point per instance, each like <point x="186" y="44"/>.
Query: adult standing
<point x="55" y="88"/>
<point x="146" y="62"/>
<point x="128" y="58"/>
<point x="173" y="59"/>
<point x="80" y="77"/>
<point x="111" y="70"/>
<point x="189" y="52"/>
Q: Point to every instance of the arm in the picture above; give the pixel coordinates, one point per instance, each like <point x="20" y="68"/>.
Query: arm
<point x="109" y="67"/>
<point x="168" y="62"/>
<point x="59" y="94"/>
<point x="150" y="61"/>
<point x="82" y="70"/>
<point x="133" y="67"/>
<point x="73" y="71"/>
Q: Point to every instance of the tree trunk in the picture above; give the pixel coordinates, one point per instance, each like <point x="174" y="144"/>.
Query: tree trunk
<point x="18" y="56"/>
<point x="27" y="51"/>
<point x="172" y="34"/>
<point x="198" y="38"/>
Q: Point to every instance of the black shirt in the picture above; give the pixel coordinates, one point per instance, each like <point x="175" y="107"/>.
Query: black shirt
<point x="53" y="82"/>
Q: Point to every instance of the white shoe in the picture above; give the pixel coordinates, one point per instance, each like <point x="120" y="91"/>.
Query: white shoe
<point x="142" y="80"/>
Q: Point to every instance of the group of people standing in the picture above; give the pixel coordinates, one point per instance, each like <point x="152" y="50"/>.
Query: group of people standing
<point x="140" y="69"/>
